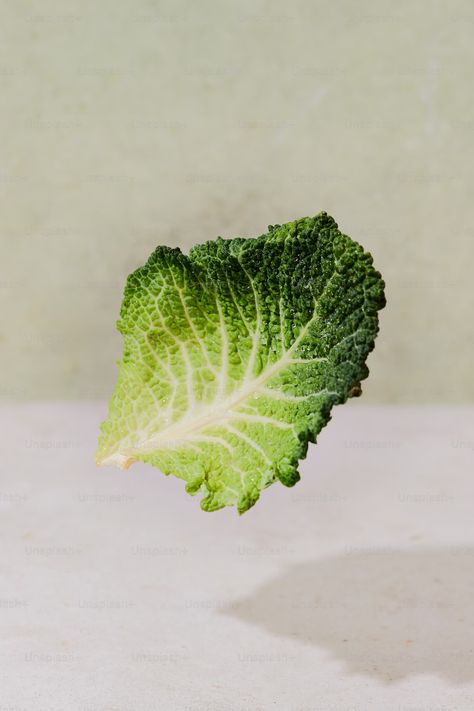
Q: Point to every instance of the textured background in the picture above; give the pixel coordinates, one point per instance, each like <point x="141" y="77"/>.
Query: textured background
<point x="129" y="124"/>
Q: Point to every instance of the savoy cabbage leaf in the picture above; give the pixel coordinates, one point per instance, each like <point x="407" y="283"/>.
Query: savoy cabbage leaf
<point x="235" y="354"/>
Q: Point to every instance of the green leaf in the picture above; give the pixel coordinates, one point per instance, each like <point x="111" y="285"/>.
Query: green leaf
<point x="235" y="354"/>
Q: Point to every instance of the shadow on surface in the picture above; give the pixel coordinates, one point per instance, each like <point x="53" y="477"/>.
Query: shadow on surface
<point x="387" y="613"/>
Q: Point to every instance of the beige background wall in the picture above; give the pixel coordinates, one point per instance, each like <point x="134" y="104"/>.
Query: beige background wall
<point x="129" y="123"/>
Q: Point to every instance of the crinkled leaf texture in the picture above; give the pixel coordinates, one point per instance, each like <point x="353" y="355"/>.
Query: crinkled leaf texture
<point x="235" y="354"/>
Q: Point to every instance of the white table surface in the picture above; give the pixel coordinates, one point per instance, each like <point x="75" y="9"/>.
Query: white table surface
<point x="351" y="592"/>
